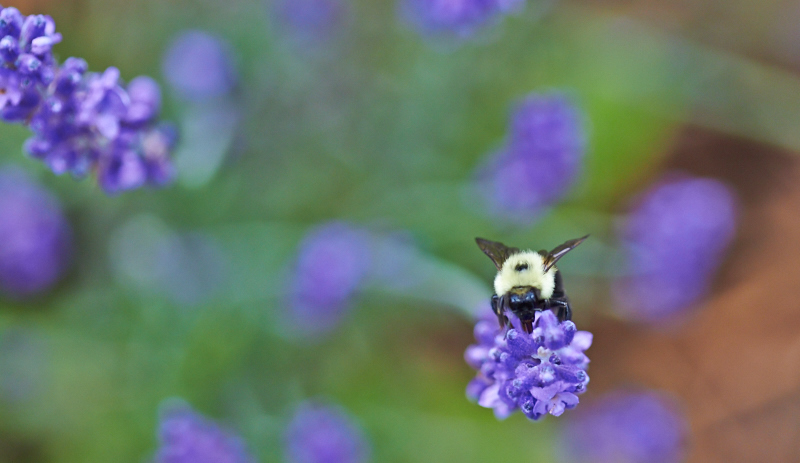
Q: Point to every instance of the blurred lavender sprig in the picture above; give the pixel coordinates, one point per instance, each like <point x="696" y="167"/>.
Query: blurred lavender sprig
<point x="673" y="240"/>
<point x="35" y="237"/>
<point x="624" y="427"/>
<point x="539" y="162"/>
<point x="321" y="433"/>
<point x="456" y="18"/>
<point x="538" y="373"/>
<point x="200" y="70"/>
<point x="82" y="122"/>
<point x="188" y="437"/>
<point x="311" y="23"/>
<point x="198" y="66"/>
<point x="332" y="262"/>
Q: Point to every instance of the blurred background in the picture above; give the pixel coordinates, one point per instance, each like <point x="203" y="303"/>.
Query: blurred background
<point x="336" y="160"/>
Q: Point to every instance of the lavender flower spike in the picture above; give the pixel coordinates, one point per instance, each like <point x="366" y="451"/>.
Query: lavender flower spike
<point x="540" y="161"/>
<point x="538" y="373"/>
<point x="624" y="427"/>
<point x="35" y="237"/>
<point x="324" y="434"/>
<point x="332" y="262"/>
<point x="82" y="122"/>
<point x="673" y="241"/>
<point x="188" y="437"/>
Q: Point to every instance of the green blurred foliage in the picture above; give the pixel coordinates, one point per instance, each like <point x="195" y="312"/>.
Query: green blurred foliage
<point x="383" y="129"/>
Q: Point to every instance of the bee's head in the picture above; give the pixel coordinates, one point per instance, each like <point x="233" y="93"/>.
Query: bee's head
<point x="516" y="268"/>
<point x="525" y="269"/>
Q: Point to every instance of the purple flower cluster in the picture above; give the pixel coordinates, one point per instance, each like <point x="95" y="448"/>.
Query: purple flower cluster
<point x="538" y="373"/>
<point x="188" y="437"/>
<point x="81" y="121"/>
<point x="27" y="62"/>
<point x="324" y="434"/>
<point x="459" y="18"/>
<point x="332" y="262"/>
<point x="541" y="160"/>
<point x="35" y="237"/>
<point x="673" y="240"/>
<point x="624" y="427"/>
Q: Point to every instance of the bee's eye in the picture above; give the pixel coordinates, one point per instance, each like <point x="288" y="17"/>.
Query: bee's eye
<point x="521" y="267"/>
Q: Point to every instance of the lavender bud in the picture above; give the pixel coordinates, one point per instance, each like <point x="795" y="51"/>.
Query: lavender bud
<point x="10" y="88"/>
<point x="10" y="22"/>
<point x="23" y="102"/>
<point x="145" y="97"/>
<point x="123" y="171"/>
<point x="9" y="49"/>
<point x="28" y="64"/>
<point x="42" y="45"/>
<point x="33" y="27"/>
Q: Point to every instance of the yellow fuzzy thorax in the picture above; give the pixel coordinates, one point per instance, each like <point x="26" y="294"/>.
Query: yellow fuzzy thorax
<point x="509" y="277"/>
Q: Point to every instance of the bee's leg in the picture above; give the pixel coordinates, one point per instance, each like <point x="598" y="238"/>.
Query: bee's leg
<point x="505" y="306"/>
<point x="527" y="325"/>
<point x="564" y="312"/>
<point x="497" y="308"/>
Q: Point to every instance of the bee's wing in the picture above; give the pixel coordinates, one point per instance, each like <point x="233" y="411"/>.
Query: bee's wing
<point x="496" y="251"/>
<point x="558" y="252"/>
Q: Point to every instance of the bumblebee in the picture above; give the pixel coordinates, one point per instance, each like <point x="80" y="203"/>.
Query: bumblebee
<point x="528" y="281"/>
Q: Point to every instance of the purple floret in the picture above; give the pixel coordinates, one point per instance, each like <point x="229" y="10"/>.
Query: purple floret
<point x="673" y="240"/>
<point x="624" y="427"/>
<point x="35" y="237"/>
<point x="188" y="437"/>
<point x="82" y="122"/>
<point x="540" y="161"/>
<point x="324" y="434"/>
<point x="538" y="373"/>
<point x="10" y="88"/>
